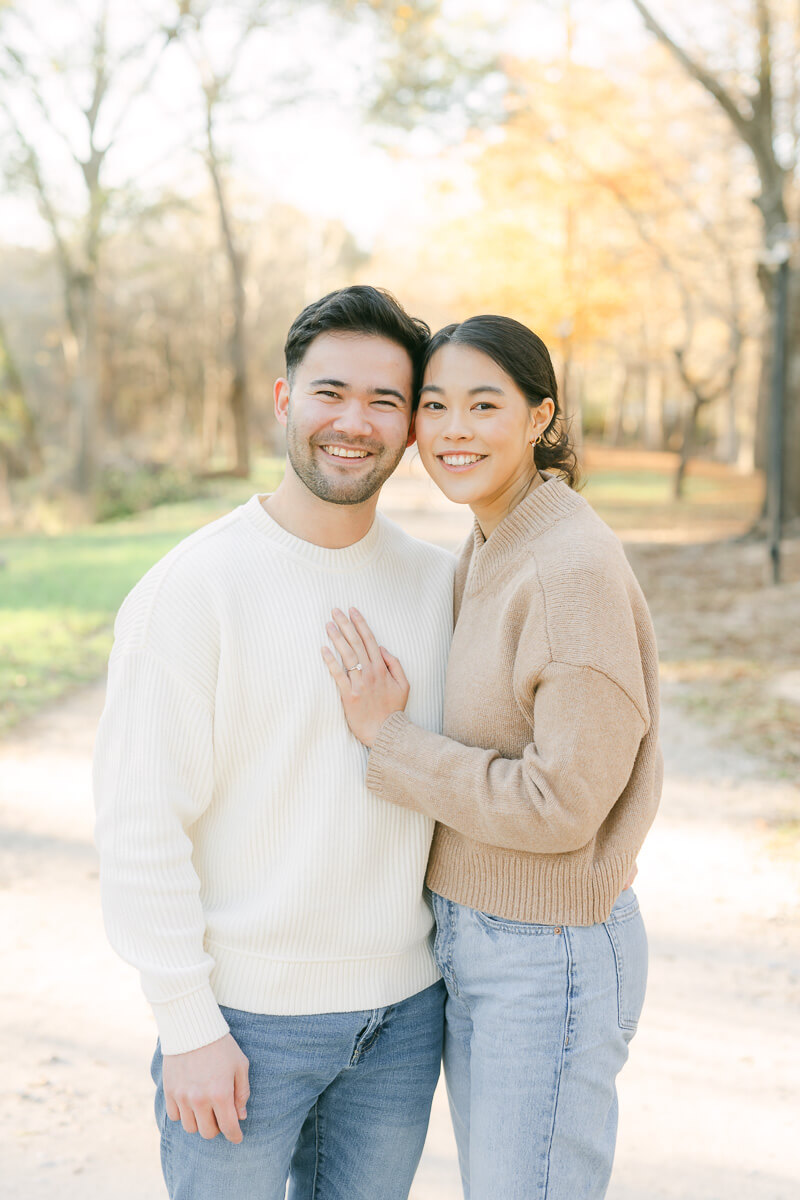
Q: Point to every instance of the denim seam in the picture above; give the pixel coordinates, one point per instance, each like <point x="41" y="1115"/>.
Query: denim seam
<point x="451" y="947"/>
<point x="316" y="1150"/>
<point x="623" y="1022"/>
<point x="166" y="1147"/>
<point x="567" y="1013"/>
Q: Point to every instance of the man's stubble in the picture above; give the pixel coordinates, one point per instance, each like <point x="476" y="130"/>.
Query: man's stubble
<point x="354" y="491"/>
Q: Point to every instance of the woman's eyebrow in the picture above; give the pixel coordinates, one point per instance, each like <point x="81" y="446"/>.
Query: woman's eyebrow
<point x="483" y="387"/>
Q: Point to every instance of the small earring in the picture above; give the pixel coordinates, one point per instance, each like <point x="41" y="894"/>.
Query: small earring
<point x="535" y="441"/>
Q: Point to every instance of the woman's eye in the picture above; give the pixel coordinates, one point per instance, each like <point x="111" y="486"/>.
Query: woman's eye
<point x="433" y="406"/>
<point x="484" y="406"/>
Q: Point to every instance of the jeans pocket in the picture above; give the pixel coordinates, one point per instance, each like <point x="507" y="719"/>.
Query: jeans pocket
<point x="508" y="925"/>
<point x="628" y="939"/>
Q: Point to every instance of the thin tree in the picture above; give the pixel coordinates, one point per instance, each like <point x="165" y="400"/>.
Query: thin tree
<point x="752" y="115"/>
<point x="99" y="107"/>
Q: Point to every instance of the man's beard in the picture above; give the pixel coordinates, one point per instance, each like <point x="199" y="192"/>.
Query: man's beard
<point x="344" y="490"/>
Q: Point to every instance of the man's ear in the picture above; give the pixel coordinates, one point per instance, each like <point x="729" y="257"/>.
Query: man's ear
<point x="281" y="397"/>
<point x="412" y="431"/>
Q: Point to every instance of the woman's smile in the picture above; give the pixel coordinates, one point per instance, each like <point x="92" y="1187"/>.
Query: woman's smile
<point x="460" y="462"/>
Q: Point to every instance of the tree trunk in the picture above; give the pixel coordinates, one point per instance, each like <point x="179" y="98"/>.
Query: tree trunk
<point x="687" y="444"/>
<point x="617" y="424"/>
<point x="84" y="389"/>
<point x="652" y="405"/>
<point x="239" y="400"/>
<point x="791" y="441"/>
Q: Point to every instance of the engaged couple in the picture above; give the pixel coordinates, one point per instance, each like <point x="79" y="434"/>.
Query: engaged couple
<point x="363" y="806"/>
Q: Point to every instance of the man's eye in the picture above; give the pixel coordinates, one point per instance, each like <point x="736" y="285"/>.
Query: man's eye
<point x="322" y="392"/>
<point x="385" y="400"/>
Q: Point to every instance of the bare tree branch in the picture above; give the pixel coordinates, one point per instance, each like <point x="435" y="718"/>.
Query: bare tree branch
<point x="696" y="69"/>
<point x="756" y="129"/>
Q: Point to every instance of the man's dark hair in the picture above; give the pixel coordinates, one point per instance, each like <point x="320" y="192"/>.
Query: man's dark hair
<point x="358" y="309"/>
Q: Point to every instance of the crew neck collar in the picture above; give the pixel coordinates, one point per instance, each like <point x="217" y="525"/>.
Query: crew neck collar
<point x="345" y="558"/>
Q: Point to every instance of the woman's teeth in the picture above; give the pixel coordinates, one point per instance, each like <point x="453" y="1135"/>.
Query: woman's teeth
<point x="461" y="460"/>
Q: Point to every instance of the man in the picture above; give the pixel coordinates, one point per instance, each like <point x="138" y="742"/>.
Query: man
<point x="273" y="906"/>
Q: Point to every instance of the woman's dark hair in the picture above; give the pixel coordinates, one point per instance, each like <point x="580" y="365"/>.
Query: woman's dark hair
<point x="524" y="356"/>
<point x="358" y="309"/>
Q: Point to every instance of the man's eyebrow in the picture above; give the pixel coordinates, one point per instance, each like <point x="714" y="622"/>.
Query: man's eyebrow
<point x="377" y="391"/>
<point x="390" y="392"/>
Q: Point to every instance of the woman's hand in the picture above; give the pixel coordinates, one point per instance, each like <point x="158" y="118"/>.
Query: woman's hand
<point x="370" y="680"/>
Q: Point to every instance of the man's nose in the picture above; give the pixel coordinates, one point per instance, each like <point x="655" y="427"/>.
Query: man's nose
<point x="354" y="419"/>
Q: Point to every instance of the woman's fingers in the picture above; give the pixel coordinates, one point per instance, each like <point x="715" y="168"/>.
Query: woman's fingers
<point x="352" y="637"/>
<point x="367" y="636"/>
<point x="395" y="668"/>
<point x="348" y="654"/>
<point x="338" y="672"/>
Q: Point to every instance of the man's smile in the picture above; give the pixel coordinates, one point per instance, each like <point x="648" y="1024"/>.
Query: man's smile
<point x="345" y="452"/>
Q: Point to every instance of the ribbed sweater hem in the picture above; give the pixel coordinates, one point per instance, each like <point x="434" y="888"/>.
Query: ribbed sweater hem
<point x="294" y="988"/>
<point x="540" y="888"/>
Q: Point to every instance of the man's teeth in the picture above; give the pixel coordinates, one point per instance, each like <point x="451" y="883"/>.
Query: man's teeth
<point x="343" y="452"/>
<point x="461" y="460"/>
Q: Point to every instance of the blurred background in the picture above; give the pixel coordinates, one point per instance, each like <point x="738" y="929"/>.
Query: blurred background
<point x="178" y="180"/>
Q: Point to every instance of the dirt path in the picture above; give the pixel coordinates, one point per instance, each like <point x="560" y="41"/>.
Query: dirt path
<point x="709" y="1102"/>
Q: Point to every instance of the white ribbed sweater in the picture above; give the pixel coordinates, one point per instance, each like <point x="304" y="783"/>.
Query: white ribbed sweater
<point x="243" y="860"/>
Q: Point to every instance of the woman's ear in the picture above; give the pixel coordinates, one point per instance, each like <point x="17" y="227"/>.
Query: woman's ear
<point x="543" y="414"/>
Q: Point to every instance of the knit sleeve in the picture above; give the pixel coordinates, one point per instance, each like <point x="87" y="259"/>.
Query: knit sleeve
<point x="153" y="777"/>
<point x="585" y="736"/>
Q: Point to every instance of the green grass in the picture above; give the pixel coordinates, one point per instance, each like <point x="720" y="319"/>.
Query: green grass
<point x="642" y="487"/>
<point x="59" y="595"/>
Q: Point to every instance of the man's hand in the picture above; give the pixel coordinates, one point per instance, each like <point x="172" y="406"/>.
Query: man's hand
<point x="207" y="1089"/>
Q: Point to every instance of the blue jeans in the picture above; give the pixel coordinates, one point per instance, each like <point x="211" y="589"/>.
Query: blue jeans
<point x="339" y="1105"/>
<point x="538" y="1021"/>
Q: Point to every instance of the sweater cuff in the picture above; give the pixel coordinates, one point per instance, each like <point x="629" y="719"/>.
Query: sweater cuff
<point x="383" y="750"/>
<point x="189" y="1022"/>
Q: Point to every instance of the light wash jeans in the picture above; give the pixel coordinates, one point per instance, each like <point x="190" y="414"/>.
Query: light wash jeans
<point x="339" y="1104"/>
<point x="538" y="1021"/>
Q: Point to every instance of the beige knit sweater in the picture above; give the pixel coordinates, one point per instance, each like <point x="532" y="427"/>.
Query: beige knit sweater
<point x="549" y="772"/>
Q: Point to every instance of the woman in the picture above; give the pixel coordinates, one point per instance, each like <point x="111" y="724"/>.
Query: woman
<point x="544" y="783"/>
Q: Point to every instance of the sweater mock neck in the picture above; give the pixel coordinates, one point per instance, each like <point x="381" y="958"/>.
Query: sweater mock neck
<point x="539" y="511"/>
<point x="347" y="558"/>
